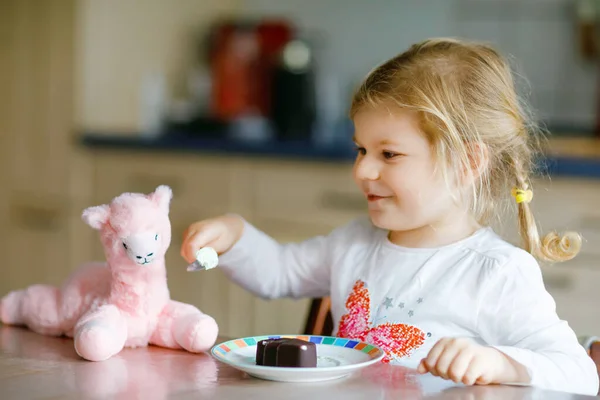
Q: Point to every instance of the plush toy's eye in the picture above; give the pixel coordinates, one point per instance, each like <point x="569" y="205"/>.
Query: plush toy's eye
<point x="124" y="245"/>
<point x="156" y="237"/>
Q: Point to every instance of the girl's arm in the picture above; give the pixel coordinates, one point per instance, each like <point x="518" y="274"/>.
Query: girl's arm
<point x="270" y="270"/>
<point x="518" y="316"/>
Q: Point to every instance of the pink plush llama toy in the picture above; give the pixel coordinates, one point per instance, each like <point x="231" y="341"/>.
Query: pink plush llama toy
<point x="124" y="302"/>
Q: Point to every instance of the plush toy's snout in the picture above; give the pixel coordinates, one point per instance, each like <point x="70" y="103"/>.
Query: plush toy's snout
<point x="142" y="248"/>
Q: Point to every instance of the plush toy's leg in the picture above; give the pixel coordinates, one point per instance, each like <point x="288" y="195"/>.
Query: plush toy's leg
<point x="37" y="307"/>
<point x="184" y="326"/>
<point x="101" y="333"/>
<point x="10" y="308"/>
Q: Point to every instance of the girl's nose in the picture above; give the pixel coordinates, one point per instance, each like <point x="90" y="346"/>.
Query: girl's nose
<point x="366" y="169"/>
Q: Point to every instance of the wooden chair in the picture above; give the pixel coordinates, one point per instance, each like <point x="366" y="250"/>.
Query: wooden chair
<point x="319" y="320"/>
<point x="594" y="352"/>
<point x="592" y="345"/>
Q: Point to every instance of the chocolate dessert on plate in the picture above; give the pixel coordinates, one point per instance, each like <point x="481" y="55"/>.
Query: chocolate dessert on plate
<point x="283" y="352"/>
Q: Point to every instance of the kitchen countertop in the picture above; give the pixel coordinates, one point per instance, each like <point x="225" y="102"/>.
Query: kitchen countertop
<point x="577" y="157"/>
<point x="36" y="366"/>
<point x="299" y="149"/>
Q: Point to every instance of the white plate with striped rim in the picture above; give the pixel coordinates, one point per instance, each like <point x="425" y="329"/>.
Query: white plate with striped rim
<point x="336" y="358"/>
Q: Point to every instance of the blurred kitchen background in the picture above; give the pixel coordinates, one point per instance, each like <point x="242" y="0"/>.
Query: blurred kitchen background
<point x="240" y="106"/>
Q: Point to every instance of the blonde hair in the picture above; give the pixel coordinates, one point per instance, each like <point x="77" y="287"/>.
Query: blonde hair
<point x="465" y="96"/>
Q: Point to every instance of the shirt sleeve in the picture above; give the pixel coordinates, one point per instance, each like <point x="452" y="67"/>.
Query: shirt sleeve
<point x="518" y="317"/>
<point x="269" y="269"/>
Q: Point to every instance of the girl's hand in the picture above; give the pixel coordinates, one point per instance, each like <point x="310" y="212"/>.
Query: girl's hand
<point x="464" y="361"/>
<point x="220" y="233"/>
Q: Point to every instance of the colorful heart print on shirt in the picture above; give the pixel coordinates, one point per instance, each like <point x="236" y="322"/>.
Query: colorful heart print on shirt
<point x="397" y="340"/>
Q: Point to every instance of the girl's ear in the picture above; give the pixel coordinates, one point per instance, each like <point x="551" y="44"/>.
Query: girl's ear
<point x="478" y="156"/>
<point x="96" y="216"/>
<point x="162" y="196"/>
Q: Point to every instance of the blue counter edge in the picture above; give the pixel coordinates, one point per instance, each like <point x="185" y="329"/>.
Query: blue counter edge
<point x="300" y="150"/>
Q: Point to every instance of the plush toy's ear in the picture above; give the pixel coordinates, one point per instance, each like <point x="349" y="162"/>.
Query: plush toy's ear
<point x="96" y="216"/>
<point x="162" y="197"/>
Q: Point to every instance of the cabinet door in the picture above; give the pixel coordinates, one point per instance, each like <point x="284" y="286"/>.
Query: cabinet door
<point x="305" y="196"/>
<point x="4" y="127"/>
<point x="37" y="244"/>
<point x="200" y="183"/>
<point x="38" y="98"/>
<point x="4" y="227"/>
<point x="36" y="120"/>
<point x="575" y="291"/>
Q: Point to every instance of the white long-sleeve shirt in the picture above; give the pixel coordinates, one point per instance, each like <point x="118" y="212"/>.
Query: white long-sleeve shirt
<point x="406" y="299"/>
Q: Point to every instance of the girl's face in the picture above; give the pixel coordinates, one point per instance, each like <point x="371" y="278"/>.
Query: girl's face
<point x="395" y="168"/>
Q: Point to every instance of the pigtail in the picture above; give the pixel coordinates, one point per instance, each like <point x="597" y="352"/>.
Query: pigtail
<point x="553" y="247"/>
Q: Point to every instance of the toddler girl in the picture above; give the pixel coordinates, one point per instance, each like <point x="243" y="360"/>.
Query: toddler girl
<point x="442" y="141"/>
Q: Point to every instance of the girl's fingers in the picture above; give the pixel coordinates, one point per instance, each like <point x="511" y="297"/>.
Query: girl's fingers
<point x="432" y="358"/>
<point x="422" y="369"/>
<point x="460" y="365"/>
<point x="446" y="358"/>
<point x="196" y="241"/>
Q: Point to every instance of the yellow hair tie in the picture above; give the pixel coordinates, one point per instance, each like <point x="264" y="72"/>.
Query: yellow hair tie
<point x="521" y="195"/>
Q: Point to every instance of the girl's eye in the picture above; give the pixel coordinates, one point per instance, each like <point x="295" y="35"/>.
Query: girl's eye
<point x="156" y="237"/>
<point x="124" y="245"/>
<point x="361" y="150"/>
<point x="389" y="155"/>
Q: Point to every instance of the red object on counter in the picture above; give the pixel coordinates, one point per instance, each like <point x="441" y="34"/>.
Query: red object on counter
<point x="233" y="61"/>
<point x="242" y="60"/>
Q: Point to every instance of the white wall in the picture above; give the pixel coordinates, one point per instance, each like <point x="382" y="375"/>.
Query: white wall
<point x="119" y="41"/>
<point x="539" y="34"/>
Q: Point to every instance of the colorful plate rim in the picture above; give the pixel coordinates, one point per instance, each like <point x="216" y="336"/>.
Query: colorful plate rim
<point x="219" y="351"/>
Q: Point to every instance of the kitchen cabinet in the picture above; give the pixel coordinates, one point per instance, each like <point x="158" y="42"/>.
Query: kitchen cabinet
<point x="38" y="241"/>
<point x="39" y="106"/>
<point x="294" y="200"/>
<point x="575" y="291"/>
<point x="4" y="138"/>
<point x="309" y="198"/>
<point x="289" y="200"/>
<point x="39" y="206"/>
